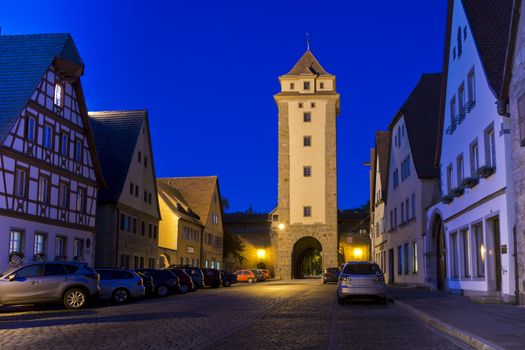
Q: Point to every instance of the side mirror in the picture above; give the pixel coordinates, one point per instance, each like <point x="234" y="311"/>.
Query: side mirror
<point x="11" y="277"/>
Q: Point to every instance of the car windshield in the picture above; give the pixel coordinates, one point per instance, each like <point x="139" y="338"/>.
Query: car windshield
<point x="361" y="269"/>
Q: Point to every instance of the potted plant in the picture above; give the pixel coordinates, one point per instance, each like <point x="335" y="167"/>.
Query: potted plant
<point x="39" y="257"/>
<point x="469" y="182"/>
<point x="458" y="191"/>
<point x="16" y="258"/>
<point x="446" y="199"/>
<point x="485" y="171"/>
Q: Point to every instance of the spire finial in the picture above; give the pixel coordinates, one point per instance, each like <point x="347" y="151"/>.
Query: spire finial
<point x="307" y="41"/>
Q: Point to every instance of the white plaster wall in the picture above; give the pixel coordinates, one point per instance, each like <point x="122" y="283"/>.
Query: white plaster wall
<point x="32" y="227"/>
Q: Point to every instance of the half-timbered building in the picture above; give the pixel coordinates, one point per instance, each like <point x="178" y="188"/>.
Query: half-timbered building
<point x="49" y="172"/>
<point x="127" y="211"/>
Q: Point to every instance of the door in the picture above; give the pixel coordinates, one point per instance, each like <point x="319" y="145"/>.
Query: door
<point x="441" y="259"/>
<point x="54" y="281"/>
<point x="497" y="253"/>
<point x="25" y="287"/>
<point x="391" y="266"/>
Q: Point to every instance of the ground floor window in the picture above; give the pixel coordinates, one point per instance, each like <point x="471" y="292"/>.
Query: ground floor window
<point x="406" y="256"/>
<point x="465" y="242"/>
<point x="78" y="249"/>
<point x="207" y="264"/>
<point x="141" y="262"/>
<point x="125" y="261"/>
<point x="151" y="263"/>
<point x="454" y="255"/>
<point x="60" y="248"/>
<point x="414" y="257"/>
<point x="136" y="262"/>
<point x="39" y="246"/>
<point x="480" y="250"/>
<point x="15" y="241"/>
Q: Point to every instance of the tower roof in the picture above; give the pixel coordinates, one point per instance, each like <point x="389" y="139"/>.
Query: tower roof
<point x="307" y="65"/>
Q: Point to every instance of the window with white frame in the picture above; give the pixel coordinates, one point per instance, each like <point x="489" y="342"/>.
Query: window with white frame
<point x="64" y="144"/>
<point x="449" y="178"/>
<point x="465" y="248"/>
<point x="471" y="87"/>
<point x="414" y="257"/>
<point x="81" y="200"/>
<point x="406" y="260"/>
<point x="454" y="268"/>
<point x="490" y="147"/>
<point x="63" y="200"/>
<point x="31" y="129"/>
<point x="47" y="140"/>
<point x="21" y="181"/>
<point x="60" y="246"/>
<point x="474" y="158"/>
<point x="480" y="250"/>
<point x="15" y="241"/>
<point x="59" y="95"/>
<point x="413" y="206"/>
<point x="39" y="244"/>
<point x="78" y="248"/>
<point x="78" y="150"/>
<point x="43" y="189"/>
<point x="461" y="99"/>
<point x="460" y="169"/>
<point x="453" y="110"/>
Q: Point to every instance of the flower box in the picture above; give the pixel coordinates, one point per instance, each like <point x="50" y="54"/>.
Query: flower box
<point x="485" y="171"/>
<point x="39" y="257"/>
<point x="469" y="182"/>
<point x="446" y="199"/>
<point x="457" y="192"/>
<point x="16" y="258"/>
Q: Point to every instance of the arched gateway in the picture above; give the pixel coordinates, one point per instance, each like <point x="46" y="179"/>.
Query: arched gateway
<point x="304" y="224"/>
<point x="307" y="259"/>
<point x="436" y="258"/>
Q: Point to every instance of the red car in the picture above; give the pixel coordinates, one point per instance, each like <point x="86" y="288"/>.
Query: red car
<point x="246" y="276"/>
<point x="185" y="281"/>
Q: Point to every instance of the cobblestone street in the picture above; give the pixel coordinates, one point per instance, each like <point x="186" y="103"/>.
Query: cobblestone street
<point x="271" y="315"/>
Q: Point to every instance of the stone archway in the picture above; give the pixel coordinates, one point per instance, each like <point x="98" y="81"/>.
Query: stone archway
<point x="306" y="250"/>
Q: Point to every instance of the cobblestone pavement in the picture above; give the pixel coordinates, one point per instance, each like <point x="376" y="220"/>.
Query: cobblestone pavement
<point x="268" y="315"/>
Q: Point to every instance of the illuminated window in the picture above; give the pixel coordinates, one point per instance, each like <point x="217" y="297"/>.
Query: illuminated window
<point x="15" y="241"/>
<point x="414" y="257"/>
<point x="59" y="95"/>
<point x="39" y="245"/>
<point x="480" y="250"/>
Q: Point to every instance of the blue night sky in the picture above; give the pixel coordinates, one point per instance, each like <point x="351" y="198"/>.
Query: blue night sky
<point x="207" y="73"/>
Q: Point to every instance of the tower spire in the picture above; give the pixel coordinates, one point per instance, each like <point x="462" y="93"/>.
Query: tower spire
<point x="307" y="41"/>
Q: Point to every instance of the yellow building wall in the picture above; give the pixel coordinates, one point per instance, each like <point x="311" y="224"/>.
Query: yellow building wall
<point x="168" y="227"/>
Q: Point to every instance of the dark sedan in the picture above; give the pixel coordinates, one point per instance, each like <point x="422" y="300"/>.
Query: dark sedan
<point x="212" y="278"/>
<point x="228" y="278"/>
<point x="164" y="281"/>
<point x="331" y="274"/>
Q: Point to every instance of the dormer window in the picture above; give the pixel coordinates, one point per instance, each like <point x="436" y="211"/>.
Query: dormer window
<point x="306" y="85"/>
<point x="321" y="85"/>
<point x="59" y="95"/>
<point x="300" y="105"/>
<point x="292" y="86"/>
<point x="460" y="49"/>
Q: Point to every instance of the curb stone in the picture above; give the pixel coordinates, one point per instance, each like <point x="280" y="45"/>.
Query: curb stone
<point x="466" y="337"/>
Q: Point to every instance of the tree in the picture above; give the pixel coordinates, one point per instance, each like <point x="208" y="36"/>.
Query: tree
<point x="233" y="247"/>
<point x="225" y="204"/>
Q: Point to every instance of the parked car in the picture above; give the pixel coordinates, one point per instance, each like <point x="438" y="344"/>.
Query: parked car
<point x="361" y="279"/>
<point x="164" y="281"/>
<point x="185" y="281"/>
<point x="228" y="278"/>
<point x="246" y="276"/>
<point x="266" y="273"/>
<point x="196" y="274"/>
<point x="69" y="283"/>
<point x="212" y="278"/>
<point x="120" y="285"/>
<point x="260" y="275"/>
<point x="331" y="274"/>
<point x="149" y="286"/>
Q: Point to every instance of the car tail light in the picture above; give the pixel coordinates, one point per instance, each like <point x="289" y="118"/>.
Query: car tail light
<point x="379" y="278"/>
<point x="140" y="282"/>
<point x="94" y="276"/>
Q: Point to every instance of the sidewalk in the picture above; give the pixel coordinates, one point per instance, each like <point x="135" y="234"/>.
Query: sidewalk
<point x="483" y="326"/>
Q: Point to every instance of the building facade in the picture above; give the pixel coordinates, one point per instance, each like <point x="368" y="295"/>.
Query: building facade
<point x="306" y="215"/>
<point x="380" y="157"/>
<point x="517" y="115"/>
<point x="412" y="181"/>
<point x="127" y="210"/>
<point x="470" y="232"/>
<point x="200" y="197"/>
<point x="48" y="164"/>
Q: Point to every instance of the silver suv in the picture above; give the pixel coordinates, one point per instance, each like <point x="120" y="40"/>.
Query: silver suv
<point x="71" y="283"/>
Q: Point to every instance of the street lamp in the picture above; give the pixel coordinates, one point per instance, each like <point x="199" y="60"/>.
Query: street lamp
<point x="358" y="253"/>
<point x="261" y="253"/>
<point x="281" y="226"/>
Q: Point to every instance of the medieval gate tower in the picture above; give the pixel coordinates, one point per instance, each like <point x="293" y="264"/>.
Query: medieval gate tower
<point x="306" y="215"/>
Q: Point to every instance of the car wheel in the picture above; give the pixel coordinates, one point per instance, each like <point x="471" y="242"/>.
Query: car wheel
<point x="226" y="284"/>
<point x="74" y="298"/>
<point x="250" y="280"/>
<point x="162" y="291"/>
<point x="120" y="296"/>
<point x="184" y="288"/>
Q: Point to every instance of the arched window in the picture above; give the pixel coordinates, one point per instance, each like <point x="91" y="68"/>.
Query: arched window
<point x="459" y="42"/>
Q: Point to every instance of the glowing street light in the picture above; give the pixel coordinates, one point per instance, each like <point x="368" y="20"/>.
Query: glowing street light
<point x="261" y="253"/>
<point x="281" y="226"/>
<point x="358" y="253"/>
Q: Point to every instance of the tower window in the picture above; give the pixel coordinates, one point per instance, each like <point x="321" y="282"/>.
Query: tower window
<point x="321" y="85"/>
<point x="300" y="105"/>
<point x="307" y="141"/>
<point x="307" y="171"/>
<point x="312" y="104"/>
<point x="306" y="85"/>
<point x="307" y="211"/>
<point x="307" y="116"/>
<point x="292" y="86"/>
